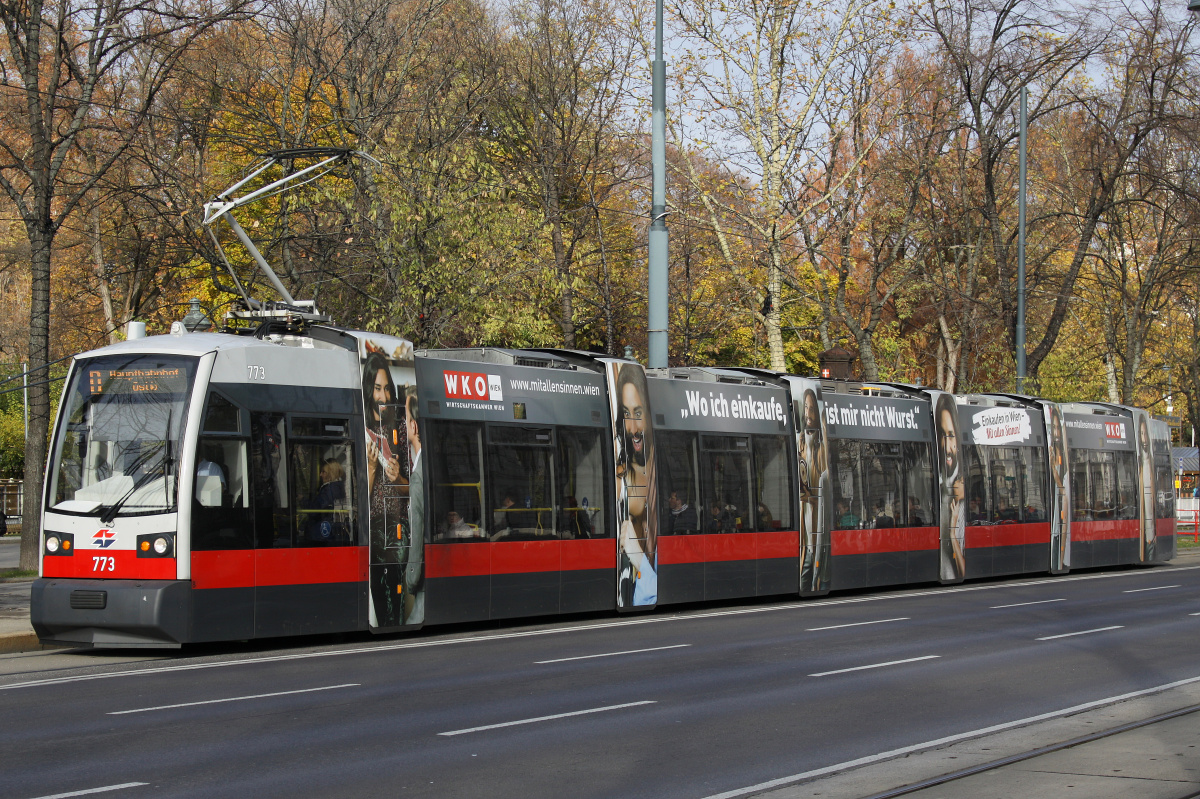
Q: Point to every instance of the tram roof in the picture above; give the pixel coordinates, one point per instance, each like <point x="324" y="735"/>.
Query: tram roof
<point x="183" y="344"/>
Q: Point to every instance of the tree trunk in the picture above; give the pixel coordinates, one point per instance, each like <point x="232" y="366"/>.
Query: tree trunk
<point x="41" y="240"/>
<point x="111" y="326"/>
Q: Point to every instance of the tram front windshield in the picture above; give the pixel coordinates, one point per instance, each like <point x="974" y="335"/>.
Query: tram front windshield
<point x="118" y="440"/>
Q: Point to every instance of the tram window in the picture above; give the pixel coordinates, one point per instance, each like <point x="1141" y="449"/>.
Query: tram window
<point x="725" y="483"/>
<point x="272" y="520"/>
<point x="579" y="482"/>
<point x="455" y="455"/>
<point x="883" y="465"/>
<point x="773" y="477"/>
<point x="319" y="427"/>
<point x="1007" y="474"/>
<point x="978" y="485"/>
<point x="322" y="493"/>
<point x="847" y="488"/>
<point x="520" y="436"/>
<point x="678" y="478"/>
<point x="520" y="476"/>
<point x="918" y="483"/>
<point x="1125" y="464"/>
<point x="1081" y="492"/>
<point x="221" y="415"/>
<point x="221" y="516"/>
<point x="1034" y="487"/>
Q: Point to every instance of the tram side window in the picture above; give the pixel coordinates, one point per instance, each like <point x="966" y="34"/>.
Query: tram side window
<point x="847" y="488"/>
<point x="456" y="492"/>
<point x="579" y="482"/>
<point x="520" y="472"/>
<point x="1007" y="474"/>
<point x="1128" y="495"/>
<point x="1081" y="490"/>
<point x="979" y="501"/>
<point x="773" y="478"/>
<point x="221" y="517"/>
<point x="918" y="485"/>
<point x="272" y="519"/>
<point x="883" y="464"/>
<point x="1036" y="479"/>
<point x="725" y="477"/>
<point x="678" y="483"/>
<point x="322" y="493"/>
<point x="1164" y="480"/>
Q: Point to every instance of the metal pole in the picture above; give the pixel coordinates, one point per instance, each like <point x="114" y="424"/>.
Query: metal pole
<point x="657" y="288"/>
<point x="1021" y="249"/>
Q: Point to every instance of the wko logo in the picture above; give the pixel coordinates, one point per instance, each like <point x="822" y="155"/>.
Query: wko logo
<point x="1115" y="430"/>
<point x="473" y="386"/>
<point x="104" y="538"/>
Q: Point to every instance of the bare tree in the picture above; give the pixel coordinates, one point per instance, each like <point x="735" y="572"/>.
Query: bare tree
<point x="74" y="70"/>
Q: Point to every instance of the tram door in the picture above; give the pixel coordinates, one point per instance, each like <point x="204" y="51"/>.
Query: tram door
<point x="390" y="486"/>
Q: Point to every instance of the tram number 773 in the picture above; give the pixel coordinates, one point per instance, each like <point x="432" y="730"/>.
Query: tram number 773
<point x="103" y="563"/>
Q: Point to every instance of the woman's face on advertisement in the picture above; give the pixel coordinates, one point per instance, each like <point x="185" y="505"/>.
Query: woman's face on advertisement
<point x="634" y="413"/>
<point x="381" y="394"/>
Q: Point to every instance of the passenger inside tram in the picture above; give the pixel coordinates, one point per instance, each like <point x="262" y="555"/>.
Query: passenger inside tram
<point x="882" y="519"/>
<point x="682" y="517"/>
<point x="846" y="518"/>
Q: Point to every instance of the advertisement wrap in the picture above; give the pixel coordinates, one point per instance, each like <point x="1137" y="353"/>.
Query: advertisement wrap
<point x="637" y="489"/>
<point x="814" y="484"/>
<point x="1060" y="494"/>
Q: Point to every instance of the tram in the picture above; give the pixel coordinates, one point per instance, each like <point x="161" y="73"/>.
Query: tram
<point x="302" y="478"/>
<point x="287" y="476"/>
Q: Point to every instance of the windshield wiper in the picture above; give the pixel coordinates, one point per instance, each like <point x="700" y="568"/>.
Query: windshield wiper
<point x="108" y="513"/>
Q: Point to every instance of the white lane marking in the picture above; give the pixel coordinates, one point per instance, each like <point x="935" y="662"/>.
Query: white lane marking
<point x="548" y="718"/>
<point x="1081" y="632"/>
<point x="949" y="739"/>
<point x="854" y="624"/>
<point x="1023" y="604"/>
<point x="613" y="654"/>
<point x="368" y="650"/>
<point x="874" y="666"/>
<point x="1155" y="588"/>
<point x="94" y="790"/>
<point x="233" y="699"/>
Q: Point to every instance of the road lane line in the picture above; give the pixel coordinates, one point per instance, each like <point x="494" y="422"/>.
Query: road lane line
<point x="612" y="654"/>
<point x="898" y="594"/>
<point x="1023" y="604"/>
<point x="548" y="718"/>
<point x="1194" y="614"/>
<point x="874" y="666"/>
<point x="1155" y="588"/>
<point x="105" y="789"/>
<point x="1081" y="632"/>
<point x="855" y="624"/>
<point x="940" y="742"/>
<point x="232" y="699"/>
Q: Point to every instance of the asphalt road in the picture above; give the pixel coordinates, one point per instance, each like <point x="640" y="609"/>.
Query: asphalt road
<point x="10" y="551"/>
<point x="687" y="704"/>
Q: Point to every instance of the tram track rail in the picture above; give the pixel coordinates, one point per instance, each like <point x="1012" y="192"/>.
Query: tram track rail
<point x="1031" y="754"/>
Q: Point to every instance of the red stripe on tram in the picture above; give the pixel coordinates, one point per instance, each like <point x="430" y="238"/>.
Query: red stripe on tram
<point x="1105" y="530"/>
<point x="726" y="547"/>
<point x="519" y="557"/>
<point x="299" y="566"/>
<point x="1007" y="535"/>
<point x="888" y="539"/>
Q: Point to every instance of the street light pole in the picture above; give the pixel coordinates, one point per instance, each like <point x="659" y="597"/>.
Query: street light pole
<point x="1021" y="247"/>
<point x="657" y="283"/>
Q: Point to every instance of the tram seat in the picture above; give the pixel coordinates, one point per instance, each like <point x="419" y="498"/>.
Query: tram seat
<point x="208" y="491"/>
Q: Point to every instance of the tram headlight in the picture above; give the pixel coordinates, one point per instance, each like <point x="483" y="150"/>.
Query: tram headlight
<point x="156" y="545"/>
<point x="52" y="543"/>
<point x="58" y="543"/>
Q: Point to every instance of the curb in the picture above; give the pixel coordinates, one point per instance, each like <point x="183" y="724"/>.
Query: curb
<point x="16" y="643"/>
